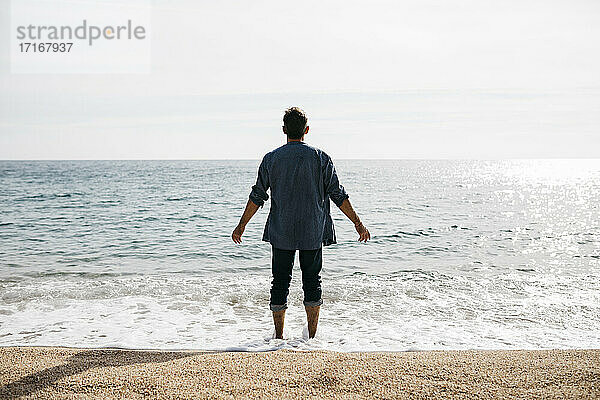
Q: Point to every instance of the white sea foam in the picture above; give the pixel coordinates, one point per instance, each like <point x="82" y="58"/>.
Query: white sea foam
<point x="230" y="312"/>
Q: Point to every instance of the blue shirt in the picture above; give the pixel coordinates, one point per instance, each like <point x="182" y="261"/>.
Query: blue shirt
<point x="302" y="179"/>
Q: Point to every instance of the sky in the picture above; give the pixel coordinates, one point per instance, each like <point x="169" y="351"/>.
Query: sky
<point x="378" y="79"/>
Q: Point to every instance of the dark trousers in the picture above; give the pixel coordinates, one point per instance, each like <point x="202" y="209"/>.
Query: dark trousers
<point x="282" y="262"/>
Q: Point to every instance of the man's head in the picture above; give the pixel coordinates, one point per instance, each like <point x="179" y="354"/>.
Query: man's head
<point x="295" y="123"/>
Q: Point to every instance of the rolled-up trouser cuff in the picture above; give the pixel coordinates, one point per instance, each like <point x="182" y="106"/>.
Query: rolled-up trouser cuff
<point x="313" y="303"/>
<point x="278" y="307"/>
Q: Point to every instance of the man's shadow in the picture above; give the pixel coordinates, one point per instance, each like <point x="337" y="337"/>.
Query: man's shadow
<point x="83" y="361"/>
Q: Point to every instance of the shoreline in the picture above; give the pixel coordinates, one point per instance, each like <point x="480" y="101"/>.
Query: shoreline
<point x="186" y="350"/>
<point x="32" y="372"/>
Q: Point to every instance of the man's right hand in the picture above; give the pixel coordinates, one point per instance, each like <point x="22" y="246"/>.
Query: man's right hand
<point x="236" y="236"/>
<point x="363" y="232"/>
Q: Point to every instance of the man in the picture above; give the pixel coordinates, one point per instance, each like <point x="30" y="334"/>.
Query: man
<point x="302" y="179"/>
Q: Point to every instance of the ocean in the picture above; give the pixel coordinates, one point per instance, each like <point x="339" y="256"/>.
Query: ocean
<point x="464" y="255"/>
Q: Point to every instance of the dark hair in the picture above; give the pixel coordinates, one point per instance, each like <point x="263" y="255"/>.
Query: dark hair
<point x="294" y="121"/>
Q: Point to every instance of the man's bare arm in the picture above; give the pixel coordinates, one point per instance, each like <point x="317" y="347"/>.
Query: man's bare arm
<point x="249" y="212"/>
<point x="363" y="232"/>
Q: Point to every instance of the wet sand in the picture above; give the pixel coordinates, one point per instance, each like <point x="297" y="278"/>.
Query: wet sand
<point x="66" y="373"/>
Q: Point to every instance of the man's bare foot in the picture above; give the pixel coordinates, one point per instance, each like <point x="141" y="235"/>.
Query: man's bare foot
<point x="278" y="319"/>
<point x="312" y="315"/>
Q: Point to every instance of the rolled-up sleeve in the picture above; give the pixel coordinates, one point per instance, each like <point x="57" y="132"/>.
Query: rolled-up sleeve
<point x="259" y="195"/>
<point x="336" y="192"/>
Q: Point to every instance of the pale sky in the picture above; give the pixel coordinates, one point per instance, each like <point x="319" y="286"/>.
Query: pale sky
<point x="378" y="79"/>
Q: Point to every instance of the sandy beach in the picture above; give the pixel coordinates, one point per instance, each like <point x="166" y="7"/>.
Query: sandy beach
<point x="67" y="373"/>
